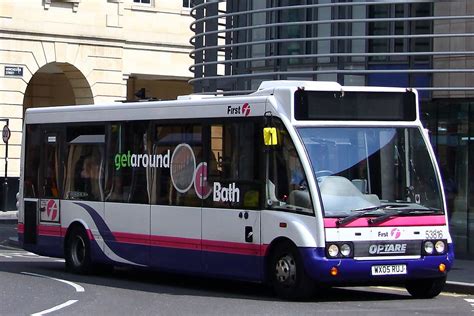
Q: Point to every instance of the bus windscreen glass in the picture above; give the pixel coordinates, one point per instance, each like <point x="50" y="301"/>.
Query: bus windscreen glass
<point x="358" y="106"/>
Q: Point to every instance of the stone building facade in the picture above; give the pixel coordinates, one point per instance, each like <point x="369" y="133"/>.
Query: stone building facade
<point x="70" y="52"/>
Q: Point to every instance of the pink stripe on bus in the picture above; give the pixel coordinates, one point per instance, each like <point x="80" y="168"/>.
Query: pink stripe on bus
<point x="45" y="230"/>
<point x="232" y="247"/>
<point x="168" y="242"/>
<point x="176" y="242"/>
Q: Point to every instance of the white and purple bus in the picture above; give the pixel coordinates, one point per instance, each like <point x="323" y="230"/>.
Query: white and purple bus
<point x="297" y="184"/>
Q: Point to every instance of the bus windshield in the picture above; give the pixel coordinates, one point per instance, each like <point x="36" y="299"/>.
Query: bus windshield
<point x="369" y="168"/>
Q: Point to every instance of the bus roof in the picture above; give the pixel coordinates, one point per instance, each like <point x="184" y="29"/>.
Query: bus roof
<point x="183" y="108"/>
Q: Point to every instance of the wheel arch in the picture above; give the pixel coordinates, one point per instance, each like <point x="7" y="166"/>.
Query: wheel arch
<point x="269" y="252"/>
<point x="80" y="224"/>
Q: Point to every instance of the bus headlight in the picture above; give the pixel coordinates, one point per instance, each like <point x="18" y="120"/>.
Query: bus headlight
<point x="428" y="247"/>
<point x="346" y="250"/>
<point x="440" y="246"/>
<point x="333" y="251"/>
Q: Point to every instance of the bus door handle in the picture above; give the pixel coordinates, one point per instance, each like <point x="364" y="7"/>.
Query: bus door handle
<point x="248" y="234"/>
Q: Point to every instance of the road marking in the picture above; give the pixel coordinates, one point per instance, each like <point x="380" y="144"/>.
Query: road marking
<point x="21" y="254"/>
<point x="76" y="286"/>
<point x="399" y="289"/>
<point x="55" y="308"/>
<point x="470" y="301"/>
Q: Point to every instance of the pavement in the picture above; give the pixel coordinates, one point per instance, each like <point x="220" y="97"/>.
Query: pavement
<point x="460" y="278"/>
<point x="8" y="217"/>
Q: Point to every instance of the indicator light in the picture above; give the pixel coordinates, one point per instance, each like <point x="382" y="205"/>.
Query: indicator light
<point x="334" y="271"/>
<point x="442" y="267"/>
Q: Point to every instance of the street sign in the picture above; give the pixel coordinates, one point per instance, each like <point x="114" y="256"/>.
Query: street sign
<point x="6" y="134"/>
<point x="14" y="71"/>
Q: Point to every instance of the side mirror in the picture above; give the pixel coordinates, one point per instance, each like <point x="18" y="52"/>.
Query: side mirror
<point x="270" y="137"/>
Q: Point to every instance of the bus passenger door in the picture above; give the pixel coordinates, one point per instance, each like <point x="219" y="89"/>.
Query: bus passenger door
<point x="231" y="243"/>
<point x="230" y="214"/>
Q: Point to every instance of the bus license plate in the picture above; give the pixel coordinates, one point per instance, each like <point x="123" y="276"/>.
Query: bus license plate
<point x="389" y="269"/>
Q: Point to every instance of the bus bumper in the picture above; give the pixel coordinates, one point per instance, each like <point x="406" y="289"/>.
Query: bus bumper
<point x="349" y="271"/>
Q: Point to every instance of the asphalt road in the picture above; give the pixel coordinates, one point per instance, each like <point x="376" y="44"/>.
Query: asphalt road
<point x="30" y="284"/>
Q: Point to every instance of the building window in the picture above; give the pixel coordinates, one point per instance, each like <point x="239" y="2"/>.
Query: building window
<point x="147" y="2"/>
<point x="399" y="28"/>
<point x="187" y="4"/>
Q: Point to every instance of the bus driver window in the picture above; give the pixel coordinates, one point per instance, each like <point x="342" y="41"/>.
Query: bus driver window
<point x="286" y="183"/>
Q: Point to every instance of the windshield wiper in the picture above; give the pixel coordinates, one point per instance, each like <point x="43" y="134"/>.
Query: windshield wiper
<point x="360" y="212"/>
<point x="398" y="212"/>
<point x="389" y="209"/>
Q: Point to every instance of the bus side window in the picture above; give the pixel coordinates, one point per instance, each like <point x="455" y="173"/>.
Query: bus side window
<point x="50" y="166"/>
<point x="126" y="183"/>
<point x="84" y="174"/>
<point x="234" y="165"/>
<point x="32" y="162"/>
<point x="178" y="151"/>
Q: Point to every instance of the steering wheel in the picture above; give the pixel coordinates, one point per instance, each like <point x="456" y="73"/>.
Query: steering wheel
<point x="303" y="184"/>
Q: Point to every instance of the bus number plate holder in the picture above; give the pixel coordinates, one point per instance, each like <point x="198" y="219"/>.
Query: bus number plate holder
<point x="389" y="269"/>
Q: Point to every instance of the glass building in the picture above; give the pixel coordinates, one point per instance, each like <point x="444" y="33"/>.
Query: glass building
<point x="424" y="44"/>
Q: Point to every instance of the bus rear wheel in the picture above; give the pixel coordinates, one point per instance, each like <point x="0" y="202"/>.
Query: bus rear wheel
<point x="287" y="275"/>
<point x="77" y="252"/>
<point x="425" y="288"/>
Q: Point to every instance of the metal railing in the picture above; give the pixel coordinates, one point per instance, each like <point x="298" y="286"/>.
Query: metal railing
<point x="224" y="43"/>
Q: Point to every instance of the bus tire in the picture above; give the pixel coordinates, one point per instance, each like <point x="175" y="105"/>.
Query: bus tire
<point x="425" y="288"/>
<point x="288" y="277"/>
<point x="78" y="252"/>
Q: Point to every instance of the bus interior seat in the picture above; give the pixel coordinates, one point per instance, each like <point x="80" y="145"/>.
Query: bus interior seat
<point x="340" y="193"/>
<point x="300" y="198"/>
<point x="372" y="198"/>
<point x="360" y="184"/>
<point x="271" y="191"/>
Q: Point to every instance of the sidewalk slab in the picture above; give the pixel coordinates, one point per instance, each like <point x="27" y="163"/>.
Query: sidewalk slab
<point x="8" y="217"/>
<point x="461" y="277"/>
<point x="13" y="242"/>
<point x="459" y="287"/>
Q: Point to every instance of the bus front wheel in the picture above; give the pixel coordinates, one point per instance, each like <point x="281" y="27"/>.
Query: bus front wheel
<point x="287" y="275"/>
<point x="77" y="251"/>
<point x="426" y="288"/>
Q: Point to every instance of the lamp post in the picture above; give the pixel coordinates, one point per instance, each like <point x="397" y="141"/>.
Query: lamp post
<point x="5" y="136"/>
